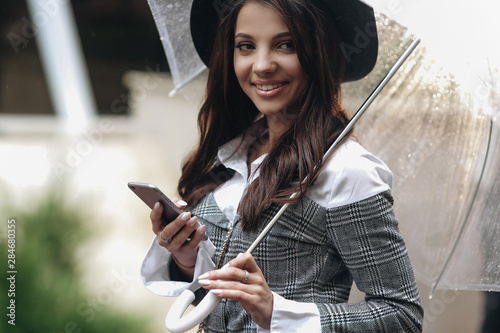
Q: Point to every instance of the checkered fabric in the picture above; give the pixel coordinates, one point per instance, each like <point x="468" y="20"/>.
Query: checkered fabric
<point x="313" y="254"/>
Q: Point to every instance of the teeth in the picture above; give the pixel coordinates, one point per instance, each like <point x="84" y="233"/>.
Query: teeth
<point x="267" y="87"/>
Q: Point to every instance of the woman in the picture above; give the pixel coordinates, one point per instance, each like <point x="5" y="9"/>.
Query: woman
<point x="271" y="111"/>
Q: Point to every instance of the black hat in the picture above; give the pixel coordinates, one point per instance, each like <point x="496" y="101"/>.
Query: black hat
<point x="354" y="20"/>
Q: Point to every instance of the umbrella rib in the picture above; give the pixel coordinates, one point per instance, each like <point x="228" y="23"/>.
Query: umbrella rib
<point x="346" y="130"/>
<point x="466" y="219"/>
<point x="184" y="83"/>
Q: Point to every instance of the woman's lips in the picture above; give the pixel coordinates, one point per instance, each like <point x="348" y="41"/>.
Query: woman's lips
<point x="268" y="89"/>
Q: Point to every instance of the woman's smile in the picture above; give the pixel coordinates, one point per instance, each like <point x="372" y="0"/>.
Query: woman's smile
<point x="268" y="89"/>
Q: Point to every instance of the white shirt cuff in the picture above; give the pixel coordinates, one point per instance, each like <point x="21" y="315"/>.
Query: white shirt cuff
<point x="155" y="269"/>
<point x="291" y="316"/>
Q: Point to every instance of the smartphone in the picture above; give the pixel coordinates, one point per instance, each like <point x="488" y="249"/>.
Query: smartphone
<point x="151" y="194"/>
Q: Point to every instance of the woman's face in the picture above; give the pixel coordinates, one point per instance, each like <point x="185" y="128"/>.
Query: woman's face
<point x="266" y="62"/>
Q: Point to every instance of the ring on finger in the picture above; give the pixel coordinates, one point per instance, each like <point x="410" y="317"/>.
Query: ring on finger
<point x="245" y="279"/>
<point x="166" y="241"/>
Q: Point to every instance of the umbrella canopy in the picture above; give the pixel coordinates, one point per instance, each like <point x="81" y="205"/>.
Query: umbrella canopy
<point x="440" y="141"/>
<point x="172" y="21"/>
<point x="436" y="126"/>
<point x="439" y="138"/>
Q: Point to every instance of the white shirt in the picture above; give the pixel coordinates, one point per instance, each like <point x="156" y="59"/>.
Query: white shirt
<point x="351" y="175"/>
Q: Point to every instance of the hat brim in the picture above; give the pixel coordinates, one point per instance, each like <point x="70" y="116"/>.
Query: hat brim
<point x="354" y="20"/>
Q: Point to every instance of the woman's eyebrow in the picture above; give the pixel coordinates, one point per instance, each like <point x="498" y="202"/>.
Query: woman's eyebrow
<point x="244" y="35"/>
<point x="281" y="35"/>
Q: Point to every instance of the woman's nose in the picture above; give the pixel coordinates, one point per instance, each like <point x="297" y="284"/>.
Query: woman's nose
<point x="264" y="62"/>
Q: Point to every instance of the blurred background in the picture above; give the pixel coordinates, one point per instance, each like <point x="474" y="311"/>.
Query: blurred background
<point x="80" y="232"/>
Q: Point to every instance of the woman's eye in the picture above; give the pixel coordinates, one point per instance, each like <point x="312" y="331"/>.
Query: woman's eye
<point x="288" y="45"/>
<point x="245" y="46"/>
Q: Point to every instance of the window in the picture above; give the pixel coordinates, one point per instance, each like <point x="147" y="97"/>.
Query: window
<point x="116" y="36"/>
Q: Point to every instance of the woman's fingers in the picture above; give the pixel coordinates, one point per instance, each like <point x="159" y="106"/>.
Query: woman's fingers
<point x="241" y="273"/>
<point x="157" y="210"/>
<point x="231" y="277"/>
<point x="177" y="231"/>
<point x="180" y="237"/>
<point x="244" y="260"/>
<point x="155" y="217"/>
<point x="180" y="230"/>
<point x="179" y="202"/>
<point x="197" y="238"/>
<point x="234" y="269"/>
<point x="242" y="280"/>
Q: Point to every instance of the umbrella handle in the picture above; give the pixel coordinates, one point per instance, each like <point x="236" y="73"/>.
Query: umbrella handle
<point x="176" y="323"/>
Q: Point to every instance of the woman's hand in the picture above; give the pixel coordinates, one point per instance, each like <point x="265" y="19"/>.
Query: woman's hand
<point x="252" y="292"/>
<point x="175" y="236"/>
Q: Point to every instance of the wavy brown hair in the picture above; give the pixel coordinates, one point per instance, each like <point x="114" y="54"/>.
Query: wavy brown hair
<point x="228" y="112"/>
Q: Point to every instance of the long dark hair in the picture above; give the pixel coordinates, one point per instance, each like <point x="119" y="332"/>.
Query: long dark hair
<point x="228" y="112"/>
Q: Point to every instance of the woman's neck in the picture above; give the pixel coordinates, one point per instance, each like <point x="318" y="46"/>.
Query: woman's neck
<point x="277" y="126"/>
<point x="260" y="147"/>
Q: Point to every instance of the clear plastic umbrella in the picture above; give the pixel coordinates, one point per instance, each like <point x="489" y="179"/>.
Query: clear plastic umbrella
<point x="439" y="138"/>
<point x="442" y="142"/>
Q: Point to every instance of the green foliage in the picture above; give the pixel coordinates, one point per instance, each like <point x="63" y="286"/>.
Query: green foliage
<point x="49" y="294"/>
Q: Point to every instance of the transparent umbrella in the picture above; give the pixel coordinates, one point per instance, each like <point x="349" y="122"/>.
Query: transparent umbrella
<point x="439" y="138"/>
<point x="442" y="144"/>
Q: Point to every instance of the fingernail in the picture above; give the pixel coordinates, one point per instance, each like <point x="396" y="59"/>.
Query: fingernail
<point x="205" y="282"/>
<point x="217" y="292"/>
<point x="203" y="276"/>
<point x="201" y="230"/>
<point x="182" y="203"/>
<point x="157" y="206"/>
<point x="185" y="216"/>
<point x="239" y="255"/>
<point x="193" y="222"/>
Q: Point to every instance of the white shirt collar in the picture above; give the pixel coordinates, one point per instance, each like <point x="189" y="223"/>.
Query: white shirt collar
<point x="351" y="175"/>
<point x="234" y="154"/>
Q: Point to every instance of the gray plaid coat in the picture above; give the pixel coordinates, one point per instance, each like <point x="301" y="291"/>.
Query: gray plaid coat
<point x="313" y="254"/>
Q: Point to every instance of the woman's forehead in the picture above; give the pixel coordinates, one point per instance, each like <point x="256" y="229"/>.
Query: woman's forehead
<point x="259" y="18"/>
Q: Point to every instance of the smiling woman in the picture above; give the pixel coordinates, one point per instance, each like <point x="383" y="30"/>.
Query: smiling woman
<point x="272" y="109"/>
